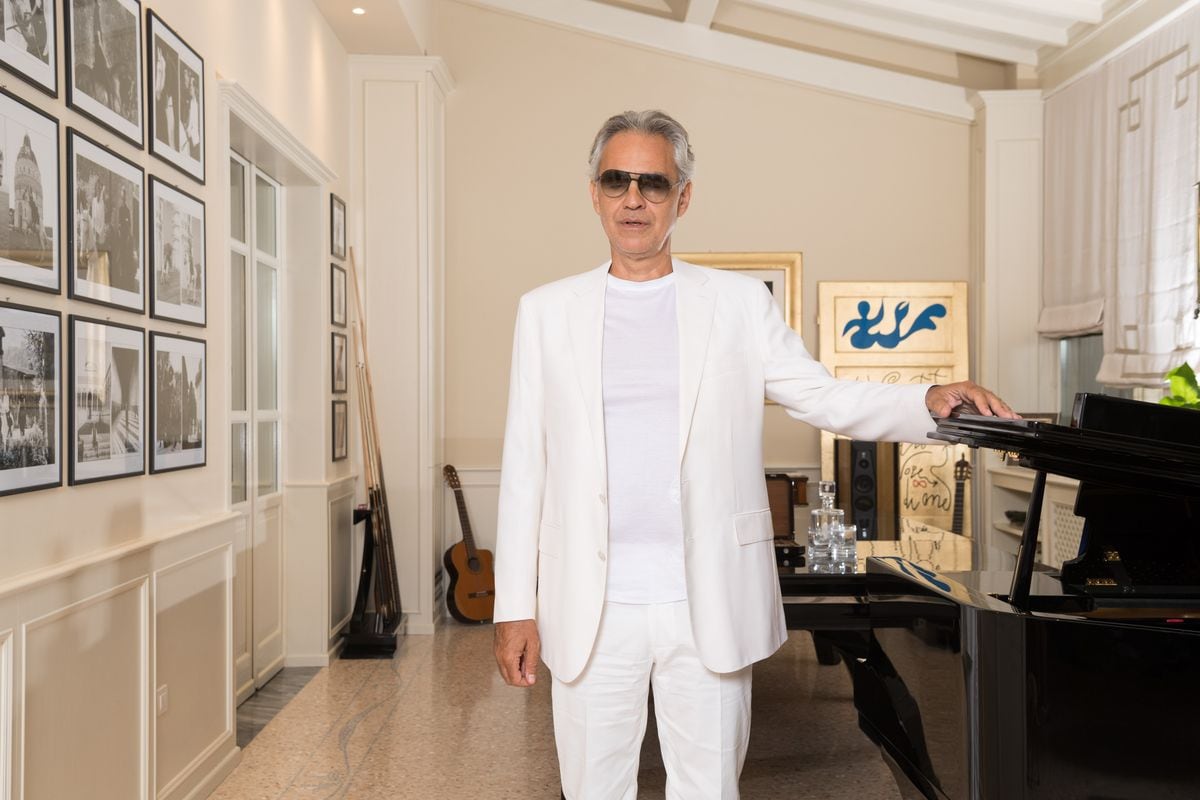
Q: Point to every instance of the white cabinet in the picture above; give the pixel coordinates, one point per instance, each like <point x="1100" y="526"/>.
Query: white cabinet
<point x="1060" y="532"/>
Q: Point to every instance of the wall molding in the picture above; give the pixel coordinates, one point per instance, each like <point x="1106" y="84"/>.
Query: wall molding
<point x="245" y="107"/>
<point x="6" y="713"/>
<point x="739" y="53"/>
<point x="66" y="569"/>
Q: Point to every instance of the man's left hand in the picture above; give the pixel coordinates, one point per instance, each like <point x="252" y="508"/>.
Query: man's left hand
<point x="969" y="398"/>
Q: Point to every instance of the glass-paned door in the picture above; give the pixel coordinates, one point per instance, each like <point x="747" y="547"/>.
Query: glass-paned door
<point x="255" y="420"/>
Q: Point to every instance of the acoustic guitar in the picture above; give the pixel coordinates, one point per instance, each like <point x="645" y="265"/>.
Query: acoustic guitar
<point x="962" y="474"/>
<point x="472" y="593"/>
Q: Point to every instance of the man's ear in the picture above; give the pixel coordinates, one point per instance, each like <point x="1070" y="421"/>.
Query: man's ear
<point x="685" y="199"/>
<point x="595" y="196"/>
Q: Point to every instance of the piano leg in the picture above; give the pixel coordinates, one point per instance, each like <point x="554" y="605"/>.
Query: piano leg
<point x="827" y="654"/>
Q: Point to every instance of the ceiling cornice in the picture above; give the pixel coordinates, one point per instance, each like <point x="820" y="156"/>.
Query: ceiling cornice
<point x="745" y="55"/>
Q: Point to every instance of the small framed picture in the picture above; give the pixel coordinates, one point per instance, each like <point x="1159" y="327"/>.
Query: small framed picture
<point x="108" y="430"/>
<point x="340" y="434"/>
<point x="29" y="44"/>
<point x="105" y="226"/>
<point x="30" y="384"/>
<point x="177" y="402"/>
<point x="337" y="296"/>
<point x="176" y="255"/>
<point x="337" y="226"/>
<point x="104" y="63"/>
<point x="176" y="98"/>
<point x="29" y="220"/>
<point x="338" y="361"/>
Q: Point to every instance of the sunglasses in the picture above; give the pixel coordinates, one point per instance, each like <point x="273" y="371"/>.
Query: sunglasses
<point x="653" y="186"/>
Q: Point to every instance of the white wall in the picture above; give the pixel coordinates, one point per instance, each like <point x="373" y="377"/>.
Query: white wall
<point x="111" y="590"/>
<point x="866" y="191"/>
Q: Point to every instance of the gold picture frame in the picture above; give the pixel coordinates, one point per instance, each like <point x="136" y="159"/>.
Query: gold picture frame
<point x="782" y="272"/>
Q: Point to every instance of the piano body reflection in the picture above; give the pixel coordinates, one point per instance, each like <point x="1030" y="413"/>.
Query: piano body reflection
<point x="1079" y="684"/>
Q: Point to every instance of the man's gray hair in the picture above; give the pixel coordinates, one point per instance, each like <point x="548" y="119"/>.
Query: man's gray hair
<point x="651" y="123"/>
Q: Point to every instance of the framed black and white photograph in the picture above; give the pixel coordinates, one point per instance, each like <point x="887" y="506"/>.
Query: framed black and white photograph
<point x="176" y="99"/>
<point x="338" y="361"/>
<point x="29" y="215"/>
<point x="337" y="296"/>
<point x="105" y="256"/>
<point x="337" y="226"/>
<point x="177" y="402"/>
<point x="28" y="44"/>
<point x="108" y="429"/>
<point x="176" y="255"/>
<point x="30" y="382"/>
<point x="340" y="432"/>
<point x="104" y="63"/>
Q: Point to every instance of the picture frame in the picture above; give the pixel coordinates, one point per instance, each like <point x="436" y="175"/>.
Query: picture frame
<point x="340" y="427"/>
<point x="105" y="226"/>
<point x="337" y="226"/>
<point x="179" y="270"/>
<point x="29" y="44"/>
<point x="337" y="296"/>
<point x="103" y="42"/>
<point x="175" y="102"/>
<point x="107" y="400"/>
<point x="30" y="392"/>
<point x="30" y="238"/>
<point x="178" y="402"/>
<point x="339" y="356"/>
<point x="782" y="272"/>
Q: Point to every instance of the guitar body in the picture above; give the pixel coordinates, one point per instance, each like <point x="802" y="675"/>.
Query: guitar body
<point x="471" y="595"/>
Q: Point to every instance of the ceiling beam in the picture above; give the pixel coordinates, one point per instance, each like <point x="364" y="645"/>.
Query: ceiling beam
<point x="701" y="12"/>
<point x="1089" y="11"/>
<point x="742" y="54"/>
<point x="940" y="12"/>
<point x="1006" y="51"/>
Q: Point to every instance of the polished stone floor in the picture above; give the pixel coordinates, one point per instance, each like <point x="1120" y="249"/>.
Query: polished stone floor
<point x="437" y="722"/>
<point x="261" y="707"/>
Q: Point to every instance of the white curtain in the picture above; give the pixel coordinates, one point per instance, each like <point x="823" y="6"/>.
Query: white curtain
<point x="1079" y="249"/>
<point x="1121" y="172"/>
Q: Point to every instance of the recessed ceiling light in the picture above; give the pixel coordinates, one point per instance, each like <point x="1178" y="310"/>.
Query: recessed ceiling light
<point x="358" y="10"/>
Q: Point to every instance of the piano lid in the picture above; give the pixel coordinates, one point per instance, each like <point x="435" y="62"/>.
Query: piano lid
<point x="1110" y="440"/>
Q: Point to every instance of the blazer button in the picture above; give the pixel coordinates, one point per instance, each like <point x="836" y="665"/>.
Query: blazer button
<point x="600" y="555"/>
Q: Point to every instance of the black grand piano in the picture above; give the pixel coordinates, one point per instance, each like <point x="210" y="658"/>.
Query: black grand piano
<point x="1083" y="683"/>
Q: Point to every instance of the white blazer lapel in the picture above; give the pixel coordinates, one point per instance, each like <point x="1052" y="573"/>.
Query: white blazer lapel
<point x="695" y="301"/>
<point x="585" y="324"/>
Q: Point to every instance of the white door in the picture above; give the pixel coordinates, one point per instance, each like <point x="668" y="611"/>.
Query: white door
<point x="255" y="420"/>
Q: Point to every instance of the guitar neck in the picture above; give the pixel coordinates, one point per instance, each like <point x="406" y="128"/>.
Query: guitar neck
<point x="468" y="536"/>
<point x="956" y="526"/>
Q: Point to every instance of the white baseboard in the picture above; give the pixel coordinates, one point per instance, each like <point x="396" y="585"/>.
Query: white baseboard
<point x="213" y="779"/>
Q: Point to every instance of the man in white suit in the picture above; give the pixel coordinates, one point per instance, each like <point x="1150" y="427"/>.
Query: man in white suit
<point x="634" y="543"/>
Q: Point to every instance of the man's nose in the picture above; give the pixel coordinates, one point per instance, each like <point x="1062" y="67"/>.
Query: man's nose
<point x="633" y="195"/>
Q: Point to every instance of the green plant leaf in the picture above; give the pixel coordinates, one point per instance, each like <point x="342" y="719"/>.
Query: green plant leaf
<point x="1183" y="385"/>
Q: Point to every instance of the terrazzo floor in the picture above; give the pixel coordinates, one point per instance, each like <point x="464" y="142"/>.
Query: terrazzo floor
<point x="437" y="722"/>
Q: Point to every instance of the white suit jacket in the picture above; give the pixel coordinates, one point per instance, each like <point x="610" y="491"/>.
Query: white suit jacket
<point x="734" y="347"/>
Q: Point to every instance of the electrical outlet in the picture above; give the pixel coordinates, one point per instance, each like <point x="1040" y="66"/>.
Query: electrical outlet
<point x="161" y="700"/>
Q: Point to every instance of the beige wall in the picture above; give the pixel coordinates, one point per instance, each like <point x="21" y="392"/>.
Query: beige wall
<point x="285" y="55"/>
<point x="866" y="191"/>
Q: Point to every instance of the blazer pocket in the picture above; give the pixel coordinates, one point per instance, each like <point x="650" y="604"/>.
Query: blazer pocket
<point x="753" y="526"/>
<point x="548" y="540"/>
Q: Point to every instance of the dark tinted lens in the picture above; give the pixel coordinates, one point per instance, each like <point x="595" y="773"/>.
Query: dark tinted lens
<point x="614" y="182"/>
<point x="654" y="187"/>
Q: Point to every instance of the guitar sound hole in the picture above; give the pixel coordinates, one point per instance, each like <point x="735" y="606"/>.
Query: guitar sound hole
<point x="473" y="564"/>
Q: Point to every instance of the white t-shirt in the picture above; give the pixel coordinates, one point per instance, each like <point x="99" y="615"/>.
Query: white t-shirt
<point x="640" y="377"/>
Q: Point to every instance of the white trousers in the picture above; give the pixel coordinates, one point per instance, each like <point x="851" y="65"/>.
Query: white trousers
<point x="600" y="718"/>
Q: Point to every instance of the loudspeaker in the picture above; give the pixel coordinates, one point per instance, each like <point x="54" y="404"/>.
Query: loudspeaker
<point x="868" y="485"/>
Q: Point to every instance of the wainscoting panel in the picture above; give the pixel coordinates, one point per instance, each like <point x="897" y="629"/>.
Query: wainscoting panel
<point x="6" y="713"/>
<point x="192" y="665"/>
<point x="86" y="665"/>
<point x="343" y="572"/>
